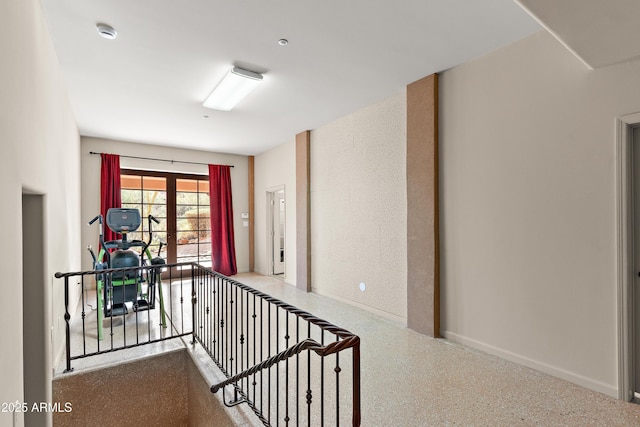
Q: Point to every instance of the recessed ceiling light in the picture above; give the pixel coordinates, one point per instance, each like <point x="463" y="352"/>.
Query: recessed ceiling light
<point x="283" y="42"/>
<point x="106" y="31"/>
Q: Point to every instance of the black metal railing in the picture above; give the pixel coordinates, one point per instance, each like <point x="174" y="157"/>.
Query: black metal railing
<point x="127" y="307"/>
<point x="283" y="362"/>
<point x="287" y="365"/>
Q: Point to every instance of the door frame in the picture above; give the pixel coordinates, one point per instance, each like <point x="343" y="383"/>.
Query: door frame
<point x="36" y="314"/>
<point x="270" y="247"/>
<point x="624" y="255"/>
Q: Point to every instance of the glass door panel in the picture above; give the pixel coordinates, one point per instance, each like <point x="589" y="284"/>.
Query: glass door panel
<point x="193" y="229"/>
<point x="147" y="194"/>
<point x="180" y="203"/>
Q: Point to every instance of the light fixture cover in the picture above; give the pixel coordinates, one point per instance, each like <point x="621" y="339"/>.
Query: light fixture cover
<point x="232" y="89"/>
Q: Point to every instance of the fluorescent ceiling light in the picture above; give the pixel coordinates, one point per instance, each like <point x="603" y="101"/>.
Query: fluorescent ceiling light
<point x="237" y="84"/>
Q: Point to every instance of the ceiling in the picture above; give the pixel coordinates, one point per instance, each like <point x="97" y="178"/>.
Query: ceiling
<point x="148" y="85"/>
<point x="600" y="33"/>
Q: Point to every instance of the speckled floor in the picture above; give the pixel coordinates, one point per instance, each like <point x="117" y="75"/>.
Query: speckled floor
<point x="412" y="380"/>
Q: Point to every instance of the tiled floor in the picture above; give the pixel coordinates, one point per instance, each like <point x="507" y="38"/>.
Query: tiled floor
<point x="412" y="380"/>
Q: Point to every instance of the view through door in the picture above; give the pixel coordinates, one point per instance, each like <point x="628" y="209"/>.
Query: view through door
<point x="34" y="332"/>
<point x="276" y="221"/>
<point x="635" y="149"/>
<point x="180" y="202"/>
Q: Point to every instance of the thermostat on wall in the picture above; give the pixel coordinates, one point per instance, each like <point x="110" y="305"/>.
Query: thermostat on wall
<point x="244" y="215"/>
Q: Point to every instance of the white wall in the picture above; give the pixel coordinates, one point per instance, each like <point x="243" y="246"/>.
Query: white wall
<point x="272" y="169"/>
<point x="40" y="155"/>
<point x="359" y="208"/>
<point x="91" y="183"/>
<point x="528" y="207"/>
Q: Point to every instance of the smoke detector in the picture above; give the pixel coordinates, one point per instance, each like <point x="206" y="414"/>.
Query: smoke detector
<point x="106" y="31"/>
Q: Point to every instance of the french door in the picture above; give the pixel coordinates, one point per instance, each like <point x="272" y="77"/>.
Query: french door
<point x="181" y="203"/>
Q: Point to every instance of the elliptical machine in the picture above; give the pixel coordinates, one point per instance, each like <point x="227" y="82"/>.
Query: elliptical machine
<point x="126" y="291"/>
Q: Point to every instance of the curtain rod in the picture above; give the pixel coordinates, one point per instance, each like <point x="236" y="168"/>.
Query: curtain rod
<point x="161" y="160"/>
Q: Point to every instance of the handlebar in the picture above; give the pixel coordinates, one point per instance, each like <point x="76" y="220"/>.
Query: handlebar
<point x="99" y="217"/>
<point x="93" y="255"/>
<point x="148" y="243"/>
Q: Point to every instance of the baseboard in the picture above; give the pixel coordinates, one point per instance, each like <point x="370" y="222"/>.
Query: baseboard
<point x="607" y="389"/>
<point x="368" y="308"/>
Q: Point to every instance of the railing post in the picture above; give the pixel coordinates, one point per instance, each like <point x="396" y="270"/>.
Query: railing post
<point x="356" y="384"/>
<point x="67" y="317"/>
<point x="194" y="300"/>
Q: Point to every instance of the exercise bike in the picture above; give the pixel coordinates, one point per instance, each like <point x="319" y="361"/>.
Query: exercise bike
<point x="126" y="291"/>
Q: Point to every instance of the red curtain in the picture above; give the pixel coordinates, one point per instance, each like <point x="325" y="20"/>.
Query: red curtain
<point x="109" y="189"/>
<point x="223" y="249"/>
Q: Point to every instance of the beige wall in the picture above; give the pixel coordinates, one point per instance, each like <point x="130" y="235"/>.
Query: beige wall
<point x="146" y="391"/>
<point x="528" y="207"/>
<point x="274" y="169"/>
<point x="40" y="155"/>
<point x="359" y="208"/>
<point x="91" y="183"/>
